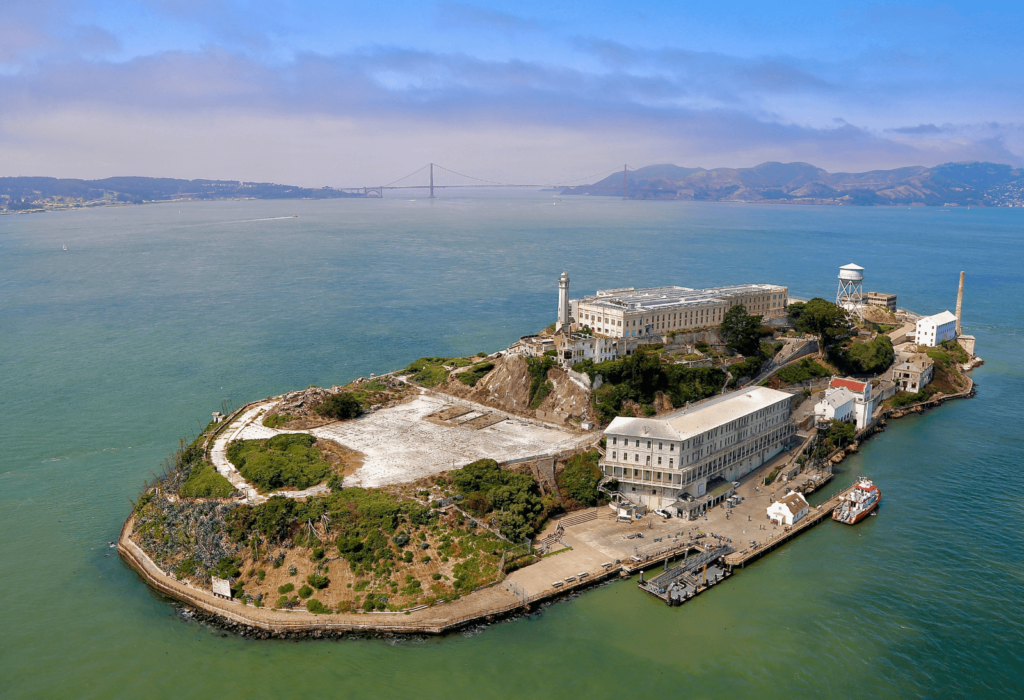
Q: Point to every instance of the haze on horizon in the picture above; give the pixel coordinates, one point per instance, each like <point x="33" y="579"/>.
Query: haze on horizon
<point x="316" y="93"/>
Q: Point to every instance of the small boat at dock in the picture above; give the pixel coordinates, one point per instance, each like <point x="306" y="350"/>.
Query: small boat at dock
<point x="859" y="502"/>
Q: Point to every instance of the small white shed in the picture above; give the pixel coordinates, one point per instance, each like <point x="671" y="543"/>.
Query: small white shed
<point x="789" y="510"/>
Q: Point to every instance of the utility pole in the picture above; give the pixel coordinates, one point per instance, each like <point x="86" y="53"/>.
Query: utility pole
<point x="431" y="180"/>
<point x="624" y="184"/>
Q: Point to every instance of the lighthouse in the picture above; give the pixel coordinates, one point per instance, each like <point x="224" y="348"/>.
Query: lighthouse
<point x="563" y="302"/>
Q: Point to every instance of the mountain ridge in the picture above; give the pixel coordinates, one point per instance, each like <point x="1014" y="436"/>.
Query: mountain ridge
<point x="950" y="184"/>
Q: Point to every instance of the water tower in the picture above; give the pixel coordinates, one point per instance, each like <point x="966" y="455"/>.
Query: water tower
<point x="851" y="289"/>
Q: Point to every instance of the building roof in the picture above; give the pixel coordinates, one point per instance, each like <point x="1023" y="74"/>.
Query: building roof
<point x="940" y="319"/>
<point x="838" y="397"/>
<point x="917" y="363"/>
<point x="851" y="266"/>
<point x="851" y="384"/>
<point x="688" y="422"/>
<point x="793" y="501"/>
<point x="657" y="298"/>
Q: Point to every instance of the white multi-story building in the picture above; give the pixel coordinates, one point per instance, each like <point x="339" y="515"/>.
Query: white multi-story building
<point x="639" y="313"/>
<point x="687" y="459"/>
<point x="932" y="330"/>
<point x="837" y="404"/>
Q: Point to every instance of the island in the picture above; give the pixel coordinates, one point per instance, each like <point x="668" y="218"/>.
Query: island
<point x="643" y="428"/>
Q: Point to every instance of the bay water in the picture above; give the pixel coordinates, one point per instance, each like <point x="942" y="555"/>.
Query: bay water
<point x="157" y="315"/>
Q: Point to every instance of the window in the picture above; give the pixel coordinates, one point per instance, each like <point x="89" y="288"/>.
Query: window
<point x="615" y="441"/>
<point x="648" y="460"/>
<point x="671" y="447"/>
<point x="660" y="445"/>
<point x="636" y="458"/>
<point x="659" y="460"/>
<point x="648" y="444"/>
<point x="670" y="462"/>
<point x="638" y="443"/>
<point x="613" y="455"/>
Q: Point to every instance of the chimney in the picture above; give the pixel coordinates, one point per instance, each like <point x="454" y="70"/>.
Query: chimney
<point x="959" y="302"/>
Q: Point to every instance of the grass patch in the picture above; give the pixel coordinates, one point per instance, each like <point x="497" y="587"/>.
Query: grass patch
<point x="283" y="460"/>
<point x="578" y="481"/>
<point x="277" y="420"/>
<point x="475" y="373"/>
<point x="557" y="551"/>
<point x="341" y="406"/>
<point x="205" y="482"/>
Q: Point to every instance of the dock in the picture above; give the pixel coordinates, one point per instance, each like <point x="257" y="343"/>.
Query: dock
<point x="814" y="516"/>
<point x="690" y="577"/>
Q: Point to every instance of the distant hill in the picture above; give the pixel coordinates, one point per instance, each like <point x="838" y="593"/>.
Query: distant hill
<point x="959" y="184"/>
<point x="27" y="193"/>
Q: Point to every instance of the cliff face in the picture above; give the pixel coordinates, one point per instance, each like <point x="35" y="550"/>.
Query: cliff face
<point x="507" y="388"/>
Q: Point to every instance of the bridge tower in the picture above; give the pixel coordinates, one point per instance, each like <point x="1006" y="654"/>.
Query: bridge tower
<point x="431" y="180"/>
<point x="563" y="302"/>
<point x="625" y="169"/>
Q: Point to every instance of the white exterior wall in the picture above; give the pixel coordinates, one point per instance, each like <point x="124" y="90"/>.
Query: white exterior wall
<point x="831" y="410"/>
<point x="656" y="471"/>
<point x="932" y="330"/>
<point x="780" y="512"/>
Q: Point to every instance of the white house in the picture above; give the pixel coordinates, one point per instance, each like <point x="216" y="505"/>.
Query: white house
<point x="839" y="403"/>
<point x="789" y="510"/>
<point x="932" y="330"/>
<point x="864" y="402"/>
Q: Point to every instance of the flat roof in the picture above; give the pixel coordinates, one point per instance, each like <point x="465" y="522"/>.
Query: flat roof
<point x="655" y="298"/>
<point x="696" y="420"/>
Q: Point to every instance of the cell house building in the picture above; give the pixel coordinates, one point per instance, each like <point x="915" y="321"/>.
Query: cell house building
<point x="687" y="459"/>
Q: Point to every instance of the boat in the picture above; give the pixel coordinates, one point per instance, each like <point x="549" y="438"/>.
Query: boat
<point x="65" y="246"/>
<point x="859" y="502"/>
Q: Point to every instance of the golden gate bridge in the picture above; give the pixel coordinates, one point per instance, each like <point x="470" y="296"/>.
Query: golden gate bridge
<point x="437" y="177"/>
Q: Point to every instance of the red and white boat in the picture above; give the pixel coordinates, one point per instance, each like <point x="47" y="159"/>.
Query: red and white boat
<point x="859" y="502"/>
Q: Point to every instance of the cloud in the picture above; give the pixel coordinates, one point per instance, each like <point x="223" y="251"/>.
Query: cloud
<point x="450" y="15"/>
<point x="919" y="129"/>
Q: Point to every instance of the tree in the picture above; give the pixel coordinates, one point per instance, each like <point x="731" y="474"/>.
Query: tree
<point x="340" y="406"/>
<point x="824" y="319"/>
<point x="741" y="331"/>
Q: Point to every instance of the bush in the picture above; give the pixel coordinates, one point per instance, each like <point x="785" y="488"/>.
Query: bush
<point x="227" y="568"/>
<point x="205" y="482"/>
<point x="276" y="420"/>
<point x="579" y="479"/>
<point x="873" y="357"/>
<point x="305" y="592"/>
<point x="475" y="373"/>
<point x="436" y="577"/>
<point x="186" y="568"/>
<point x="318" y="581"/>
<point x="341" y="406"/>
<point x="316" y="607"/>
<point x="286" y="588"/>
<point x="540" y="387"/>
<point x="488" y="488"/>
<point x="283" y="460"/>
<point x="803" y="370"/>
<point x="431" y="375"/>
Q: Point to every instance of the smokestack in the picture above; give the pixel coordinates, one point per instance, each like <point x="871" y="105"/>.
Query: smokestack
<point x="959" y="302"/>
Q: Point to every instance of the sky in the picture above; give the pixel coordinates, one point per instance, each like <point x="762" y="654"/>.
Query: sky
<point x="351" y="94"/>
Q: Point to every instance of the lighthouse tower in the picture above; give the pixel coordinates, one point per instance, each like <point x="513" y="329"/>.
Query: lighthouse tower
<point x="563" y="302"/>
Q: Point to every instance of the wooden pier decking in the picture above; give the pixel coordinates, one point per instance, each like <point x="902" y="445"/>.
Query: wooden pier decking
<point x="815" y="515"/>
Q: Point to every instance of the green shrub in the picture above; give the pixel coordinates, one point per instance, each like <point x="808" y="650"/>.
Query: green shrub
<point x="514" y="498"/>
<point x="283" y="460"/>
<point x="431" y="375"/>
<point x="318" y="581"/>
<point x="579" y="479"/>
<point x="436" y="577"/>
<point x="872" y="357"/>
<point x="187" y="567"/>
<point x="305" y="592"/>
<point x="475" y="373"/>
<point x="407" y="557"/>
<point x="286" y="588"/>
<point x="803" y="370"/>
<point x="276" y="420"/>
<point x="205" y="482"/>
<point x="341" y="406"/>
<point x="540" y="387"/>
<point x="227" y="568"/>
<point x="316" y="607"/>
